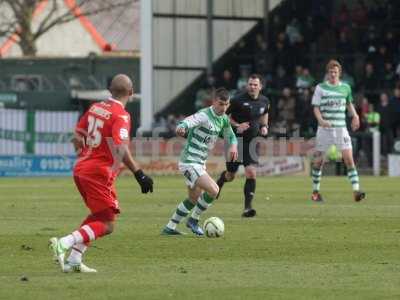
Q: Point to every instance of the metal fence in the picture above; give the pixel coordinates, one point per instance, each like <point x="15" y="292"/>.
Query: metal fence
<point x="36" y="132"/>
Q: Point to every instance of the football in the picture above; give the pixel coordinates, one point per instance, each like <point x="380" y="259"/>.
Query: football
<point x="214" y="227"/>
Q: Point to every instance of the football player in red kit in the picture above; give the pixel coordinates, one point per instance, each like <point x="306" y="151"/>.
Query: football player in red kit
<point x="101" y="140"/>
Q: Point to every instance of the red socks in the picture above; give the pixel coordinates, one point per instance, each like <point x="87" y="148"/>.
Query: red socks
<point x="92" y="231"/>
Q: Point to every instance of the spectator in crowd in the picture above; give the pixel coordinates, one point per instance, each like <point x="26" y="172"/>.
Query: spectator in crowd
<point x="369" y="41"/>
<point x="362" y="110"/>
<point x="369" y="82"/>
<point x="244" y="76"/>
<point x="282" y="79"/>
<point x="385" y="126"/>
<point x="344" y="49"/>
<point x="227" y="80"/>
<point x="321" y="14"/>
<point x="388" y="78"/>
<point x="298" y="71"/>
<point x="299" y="52"/>
<point x="282" y="53"/>
<point x="359" y="14"/>
<point x="379" y="60"/>
<point x="397" y="71"/>
<point x="309" y="31"/>
<point x="293" y="31"/>
<point x="347" y="78"/>
<point x="171" y="126"/>
<point x="304" y="80"/>
<point x="341" y="20"/>
<point x="159" y="124"/>
<point x="277" y="25"/>
<point x="304" y="113"/>
<point x="378" y="11"/>
<point x="286" y="108"/>
<point x="211" y="81"/>
<point x="395" y="108"/>
<point x="373" y="119"/>
<point x="203" y="97"/>
<point x="391" y="43"/>
<point x="263" y="60"/>
<point x="283" y="39"/>
<point x="327" y="41"/>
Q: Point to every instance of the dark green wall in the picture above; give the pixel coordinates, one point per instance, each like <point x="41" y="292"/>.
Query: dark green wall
<point x="54" y="93"/>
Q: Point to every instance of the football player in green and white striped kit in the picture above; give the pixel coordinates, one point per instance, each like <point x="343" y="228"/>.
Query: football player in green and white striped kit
<point x="202" y="130"/>
<point x="330" y="100"/>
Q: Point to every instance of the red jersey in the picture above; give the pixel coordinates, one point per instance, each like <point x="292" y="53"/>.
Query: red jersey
<point x="104" y="126"/>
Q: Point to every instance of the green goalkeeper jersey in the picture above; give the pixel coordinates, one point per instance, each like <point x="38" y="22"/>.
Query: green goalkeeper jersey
<point x="204" y="128"/>
<point x="332" y="101"/>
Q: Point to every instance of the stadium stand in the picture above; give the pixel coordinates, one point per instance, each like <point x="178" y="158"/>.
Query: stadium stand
<point x="302" y="37"/>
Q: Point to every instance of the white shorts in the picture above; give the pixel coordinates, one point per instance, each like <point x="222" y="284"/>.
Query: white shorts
<point x="327" y="137"/>
<point x="191" y="172"/>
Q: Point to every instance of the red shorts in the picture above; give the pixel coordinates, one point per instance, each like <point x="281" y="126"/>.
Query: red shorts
<point x="99" y="193"/>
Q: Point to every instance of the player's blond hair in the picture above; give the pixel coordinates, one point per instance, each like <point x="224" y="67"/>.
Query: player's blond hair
<point x="333" y="63"/>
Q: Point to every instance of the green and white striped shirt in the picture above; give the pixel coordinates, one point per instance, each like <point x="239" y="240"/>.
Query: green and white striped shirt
<point x="204" y="128"/>
<point x="332" y="101"/>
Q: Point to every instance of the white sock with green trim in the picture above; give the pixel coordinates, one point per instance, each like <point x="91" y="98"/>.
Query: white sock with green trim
<point x="181" y="212"/>
<point x="202" y="205"/>
<point x="352" y="174"/>
<point x="316" y="179"/>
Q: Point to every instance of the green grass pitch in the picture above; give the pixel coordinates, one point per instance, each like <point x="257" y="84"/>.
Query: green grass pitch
<point x="293" y="249"/>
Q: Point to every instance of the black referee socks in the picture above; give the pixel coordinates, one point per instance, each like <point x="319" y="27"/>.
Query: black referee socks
<point x="249" y="190"/>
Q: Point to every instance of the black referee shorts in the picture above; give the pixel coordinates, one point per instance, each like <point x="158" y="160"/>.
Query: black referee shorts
<point x="248" y="155"/>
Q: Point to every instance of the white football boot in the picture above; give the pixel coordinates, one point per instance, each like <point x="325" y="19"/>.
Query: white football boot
<point x="58" y="251"/>
<point x="78" y="268"/>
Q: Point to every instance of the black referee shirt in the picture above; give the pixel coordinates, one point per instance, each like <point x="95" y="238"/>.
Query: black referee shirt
<point x="244" y="108"/>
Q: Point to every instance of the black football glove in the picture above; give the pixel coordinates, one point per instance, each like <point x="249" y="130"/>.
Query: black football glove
<point x="145" y="182"/>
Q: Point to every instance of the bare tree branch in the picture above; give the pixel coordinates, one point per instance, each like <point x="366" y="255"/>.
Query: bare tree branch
<point x="103" y="6"/>
<point x="18" y="18"/>
<point x="53" y="10"/>
<point x="7" y="27"/>
<point x="14" y="5"/>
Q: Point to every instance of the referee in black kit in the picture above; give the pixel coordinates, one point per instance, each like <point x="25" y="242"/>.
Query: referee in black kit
<point x="249" y="118"/>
